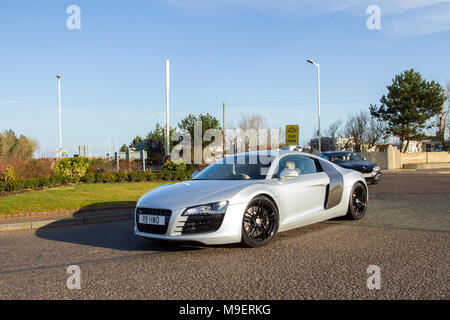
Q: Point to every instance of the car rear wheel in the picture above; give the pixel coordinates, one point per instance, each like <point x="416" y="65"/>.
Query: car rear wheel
<point x="260" y="222"/>
<point x="358" y="202"/>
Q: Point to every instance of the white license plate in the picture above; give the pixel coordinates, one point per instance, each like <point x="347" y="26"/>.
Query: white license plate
<point x="154" y="220"/>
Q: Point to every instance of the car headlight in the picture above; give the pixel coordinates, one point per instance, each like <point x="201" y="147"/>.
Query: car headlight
<point x="207" y="209"/>
<point x="377" y="168"/>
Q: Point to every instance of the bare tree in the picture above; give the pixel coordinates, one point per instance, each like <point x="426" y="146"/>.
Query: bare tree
<point x="362" y="129"/>
<point x="333" y="132"/>
<point x="375" y="132"/>
<point x="355" y="129"/>
<point x="252" y="121"/>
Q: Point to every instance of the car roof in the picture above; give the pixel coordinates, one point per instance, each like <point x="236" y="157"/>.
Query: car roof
<point x="275" y="153"/>
<point x="342" y="151"/>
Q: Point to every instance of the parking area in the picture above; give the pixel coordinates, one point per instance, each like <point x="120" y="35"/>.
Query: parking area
<point x="406" y="233"/>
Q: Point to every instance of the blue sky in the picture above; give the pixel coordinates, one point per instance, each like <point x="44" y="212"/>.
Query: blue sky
<point x="250" y="54"/>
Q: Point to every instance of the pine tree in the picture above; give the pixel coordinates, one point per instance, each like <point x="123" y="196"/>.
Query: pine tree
<point x="411" y="101"/>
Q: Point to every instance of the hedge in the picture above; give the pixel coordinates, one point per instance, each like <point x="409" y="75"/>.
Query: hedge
<point x="57" y="180"/>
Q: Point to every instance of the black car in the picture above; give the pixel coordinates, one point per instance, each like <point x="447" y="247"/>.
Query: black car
<point x="351" y="160"/>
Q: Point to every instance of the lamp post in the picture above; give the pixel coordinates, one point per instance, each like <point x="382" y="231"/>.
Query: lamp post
<point x="58" y="76"/>
<point x="318" y="95"/>
<point x="167" y="109"/>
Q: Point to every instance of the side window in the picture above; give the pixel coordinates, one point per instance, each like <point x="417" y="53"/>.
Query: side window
<point x="303" y="165"/>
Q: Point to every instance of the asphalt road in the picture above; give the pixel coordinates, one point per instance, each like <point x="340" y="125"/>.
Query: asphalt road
<point x="406" y="233"/>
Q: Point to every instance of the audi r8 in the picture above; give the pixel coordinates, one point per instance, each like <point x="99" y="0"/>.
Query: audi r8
<point x="250" y="197"/>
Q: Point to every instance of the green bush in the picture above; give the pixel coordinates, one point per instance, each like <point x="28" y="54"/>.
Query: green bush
<point x="121" y="176"/>
<point x="99" y="166"/>
<point x="71" y="169"/>
<point x="15" y="185"/>
<point x="137" y="176"/>
<point x="109" y="177"/>
<point x="44" y="182"/>
<point x="32" y="183"/>
<point x="98" y="177"/>
<point x="3" y="186"/>
<point x="174" y="166"/>
<point x="9" y="174"/>
<point x="151" y="176"/>
<point x="55" y="179"/>
<point x="89" y="178"/>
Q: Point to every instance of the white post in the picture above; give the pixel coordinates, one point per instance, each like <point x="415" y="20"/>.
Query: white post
<point x="59" y="112"/>
<point x="167" y="107"/>
<point x="318" y="92"/>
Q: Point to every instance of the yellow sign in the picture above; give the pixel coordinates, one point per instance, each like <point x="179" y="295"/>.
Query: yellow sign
<point x="292" y="135"/>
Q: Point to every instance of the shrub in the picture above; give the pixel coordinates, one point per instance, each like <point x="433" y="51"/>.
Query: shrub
<point x="44" y="182"/>
<point x="121" y="176"/>
<point x="98" y="177"/>
<point x="32" y="183"/>
<point x="72" y="169"/>
<point x="55" y="179"/>
<point x="35" y="168"/>
<point x="3" y="186"/>
<point x="109" y="177"/>
<point x="99" y="166"/>
<point x="137" y="176"/>
<point x="174" y="166"/>
<point x="151" y="176"/>
<point x="89" y="178"/>
<point x="8" y="175"/>
<point x="15" y="185"/>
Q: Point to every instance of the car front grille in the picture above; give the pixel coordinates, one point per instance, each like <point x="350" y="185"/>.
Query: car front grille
<point x="154" y="229"/>
<point x="366" y="170"/>
<point x="202" y="224"/>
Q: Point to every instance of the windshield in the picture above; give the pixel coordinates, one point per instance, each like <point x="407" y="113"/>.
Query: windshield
<point x="237" y="168"/>
<point x="343" y="157"/>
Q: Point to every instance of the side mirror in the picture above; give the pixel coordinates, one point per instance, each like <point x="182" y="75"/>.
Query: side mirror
<point x="195" y="174"/>
<point x="288" y="173"/>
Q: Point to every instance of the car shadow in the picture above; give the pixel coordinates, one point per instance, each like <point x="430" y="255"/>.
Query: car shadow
<point x="119" y="235"/>
<point x="116" y="235"/>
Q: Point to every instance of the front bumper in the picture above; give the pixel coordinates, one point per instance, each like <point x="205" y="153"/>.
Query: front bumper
<point x="373" y="176"/>
<point x="228" y="232"/>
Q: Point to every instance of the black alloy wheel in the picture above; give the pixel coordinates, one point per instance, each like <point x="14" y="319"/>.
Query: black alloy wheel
<point x="358" y="202"/>
<point x="260" y="223"/>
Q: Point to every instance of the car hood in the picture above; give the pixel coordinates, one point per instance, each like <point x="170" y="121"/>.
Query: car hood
<point x="193" y="192"/>
<point x="357" y="165"/>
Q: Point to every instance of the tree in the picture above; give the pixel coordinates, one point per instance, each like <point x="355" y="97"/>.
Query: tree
<point x="363" y="130"/>
<point x="13" y="147"/>
<point x="136" y="141"/>
<point x="355" y="129"/>
<point x="374" y="134"/>
<point x="256" y="122"/>
<point x="208" y="122"/>
<point x="411" y="101"/>
<point x="124" y="148"/>
<point x="333" y="132"/>
<point x="252" y="121"/>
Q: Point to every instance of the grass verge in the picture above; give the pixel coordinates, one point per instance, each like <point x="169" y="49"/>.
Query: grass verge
<point x="76" y="197"/>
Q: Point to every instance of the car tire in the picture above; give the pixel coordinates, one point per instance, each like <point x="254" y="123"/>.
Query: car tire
<point x="357" y="206"/>
<point x="260" y="222"/>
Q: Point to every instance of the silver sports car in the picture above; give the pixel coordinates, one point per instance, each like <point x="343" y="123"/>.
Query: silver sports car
<point x="250" y="197"/>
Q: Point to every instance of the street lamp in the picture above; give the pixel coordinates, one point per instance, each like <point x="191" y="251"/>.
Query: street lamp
<point x="318" y="94"/>
<point x="58" y="76"/>
<point x="167" y="109"/>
